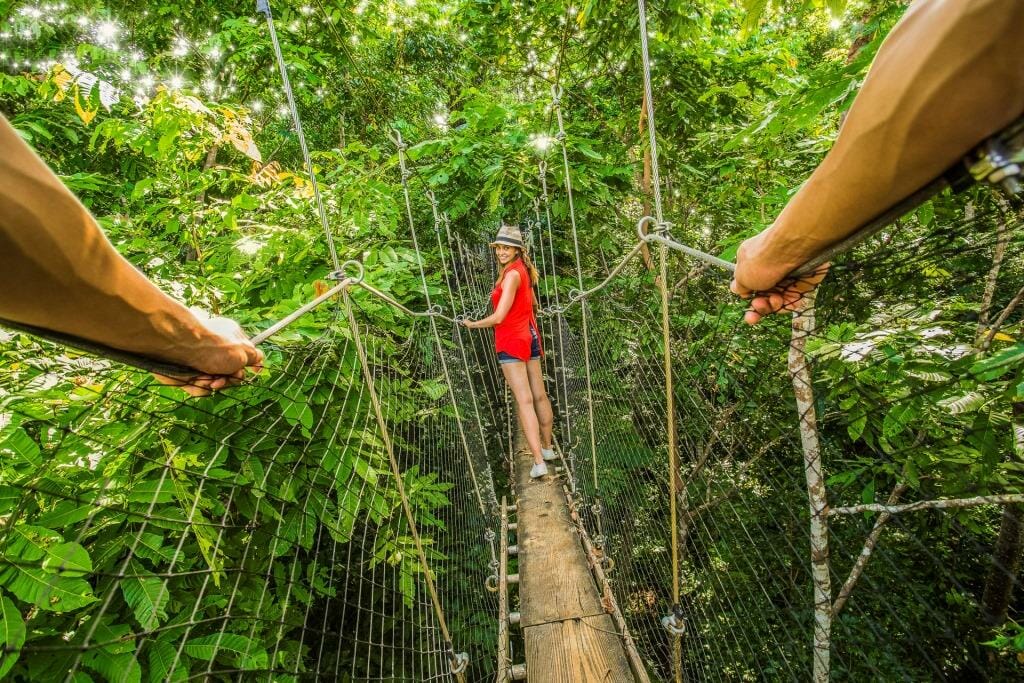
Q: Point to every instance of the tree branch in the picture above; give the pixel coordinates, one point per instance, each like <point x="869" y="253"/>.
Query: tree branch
<point x="865" y="553"/>
<point x="939" y="504"/>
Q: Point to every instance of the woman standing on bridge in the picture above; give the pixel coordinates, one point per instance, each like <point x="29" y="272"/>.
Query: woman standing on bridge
<point x="517" y="342"/>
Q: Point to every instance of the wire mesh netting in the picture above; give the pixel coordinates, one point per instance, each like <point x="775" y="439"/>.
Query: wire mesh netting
<point x="260" y="531"/>
<point x="914" y="400"/>
<point x="256" y="531"/>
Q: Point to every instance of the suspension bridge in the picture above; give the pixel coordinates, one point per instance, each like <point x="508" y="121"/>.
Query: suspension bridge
<point x="368" y="507"/>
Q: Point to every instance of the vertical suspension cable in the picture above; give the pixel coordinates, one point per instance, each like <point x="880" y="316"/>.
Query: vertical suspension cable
<point x="673" y="622"/>
<point x="556" y="101"/>
<point x="406" y="174"/>
<point x="556" y="323"/>
<point x="263" y="7"/>
<point x="458" y="661"/>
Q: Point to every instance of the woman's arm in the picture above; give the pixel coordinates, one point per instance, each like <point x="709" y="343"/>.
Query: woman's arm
<point x="58" y="271"/>
<point x="509" y="286"/>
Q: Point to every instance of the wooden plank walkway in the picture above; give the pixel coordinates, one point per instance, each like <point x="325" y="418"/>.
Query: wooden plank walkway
<point x="570" y="637"/>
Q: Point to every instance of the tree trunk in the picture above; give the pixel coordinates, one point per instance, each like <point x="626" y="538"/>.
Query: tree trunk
<point x="800" y="372"/>
<point x="1002" y="576"/>
<point x="999" y="253"/>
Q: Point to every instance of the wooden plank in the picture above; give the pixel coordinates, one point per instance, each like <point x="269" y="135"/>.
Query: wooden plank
<point x="569" y="637"/>
<point x="555" y="581"/>
<point x="576" y="651"/>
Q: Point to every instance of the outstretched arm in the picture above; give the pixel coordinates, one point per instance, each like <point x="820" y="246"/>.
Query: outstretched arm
<point x="950" y="74"/>
<point x="509" y="285"/>
<point x="58" y="271"/>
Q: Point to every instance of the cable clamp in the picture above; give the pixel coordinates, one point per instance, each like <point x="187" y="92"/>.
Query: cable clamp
<point x="489" y="535"/>
<point x="459" y="663"/>
<point x="643" y="223"/>
<point x="406" y="174"/>
<point x="357" y="275"/>
<point x="561" y="136"/>
<point x="655" y="227"/>
<point x="596" y="509"/>
<point x="996" y="163"/>
<point x="432" y="198"/>
<point x="675" y="623"/>
<point x="263" y="7"/>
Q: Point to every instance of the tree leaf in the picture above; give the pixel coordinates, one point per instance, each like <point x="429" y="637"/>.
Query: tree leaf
<point x="165" y="666"/>
<point x="46" y="591"/>
<point x="68" y="559"/>
<point x="147" y="597"/>
<point x="246" y="653"/>
<point x="967" y="403"/>
<point x="997" y="365"/>
<point x="16" y="444"/>
<point x="29" y="546"/>
<point x="115" y="668"/>
<point x="897" y="419"/>
<point x="12" y="634"/>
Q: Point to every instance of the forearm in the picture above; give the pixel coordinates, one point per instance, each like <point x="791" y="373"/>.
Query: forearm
<point x="58" y="270"/>
<point x="493" y="320"/>
<point x="949" y="75"/>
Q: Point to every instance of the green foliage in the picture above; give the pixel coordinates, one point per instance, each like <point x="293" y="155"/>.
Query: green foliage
<point x="106" y="475"/>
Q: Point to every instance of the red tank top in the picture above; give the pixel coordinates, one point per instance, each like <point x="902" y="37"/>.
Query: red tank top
<point x="512" y="335"/>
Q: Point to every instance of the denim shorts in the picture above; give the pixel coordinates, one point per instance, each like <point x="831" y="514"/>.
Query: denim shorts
<point x="534" y="350"/>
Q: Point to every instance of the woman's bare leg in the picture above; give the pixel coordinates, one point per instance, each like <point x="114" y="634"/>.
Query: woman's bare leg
<point x="541" y="402"/>
<point x="519" y="382"/>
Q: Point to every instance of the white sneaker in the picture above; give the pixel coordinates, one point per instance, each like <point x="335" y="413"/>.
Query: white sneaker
<point x="538" y="470"/>
<point x="549" y="454"/>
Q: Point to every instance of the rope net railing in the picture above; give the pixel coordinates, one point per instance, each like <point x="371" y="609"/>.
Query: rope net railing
<point x="915" y="401"/>
<point x="256" y="532"/>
